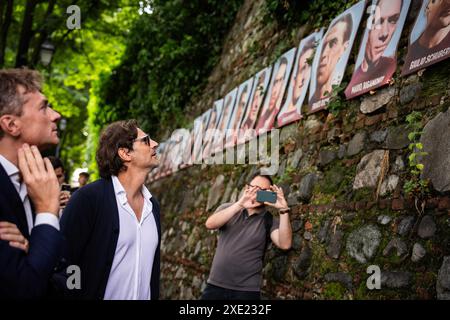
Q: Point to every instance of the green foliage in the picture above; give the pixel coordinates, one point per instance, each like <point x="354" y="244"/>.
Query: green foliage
<point x="337" y="102"/>
<point x="169" y="56"/>
<point x="296" y="13"/>
<point x="286" y="177"/>
<point x="79" y="59"/>
<point x="334" y="291"/>
<point x="415" y="186"/>
<point x="75" y="74"/>
<point x="285" y="12"/>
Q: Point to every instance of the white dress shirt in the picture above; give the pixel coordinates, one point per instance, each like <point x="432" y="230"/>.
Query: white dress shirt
<point x="131" y="269"/>
<point x="41" y="217"/>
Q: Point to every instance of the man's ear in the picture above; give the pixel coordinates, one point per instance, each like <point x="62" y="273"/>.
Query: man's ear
<point x="124" y="154"/>
<point x="10" y="125"/>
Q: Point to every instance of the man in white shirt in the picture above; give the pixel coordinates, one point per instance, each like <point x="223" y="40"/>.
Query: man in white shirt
<point x="30" y="241"/>
<point x="112" y="225"/>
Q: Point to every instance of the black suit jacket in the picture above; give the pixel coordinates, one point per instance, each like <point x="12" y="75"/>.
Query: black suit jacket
<point x="90" y="224"/>
<point x="22" y="275"/>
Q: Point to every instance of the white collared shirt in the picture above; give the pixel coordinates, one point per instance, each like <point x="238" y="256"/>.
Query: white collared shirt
<point x="131" y="269"/>
<point x="41" y="217"/>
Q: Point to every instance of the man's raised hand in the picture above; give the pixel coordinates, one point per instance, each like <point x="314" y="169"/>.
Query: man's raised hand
<point x="40" y="179"/>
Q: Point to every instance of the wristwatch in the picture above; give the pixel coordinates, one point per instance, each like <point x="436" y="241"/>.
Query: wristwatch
<point x="284" y="210"/>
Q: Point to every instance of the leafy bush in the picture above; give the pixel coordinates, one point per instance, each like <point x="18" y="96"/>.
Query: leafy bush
<point x="169" y="55"/>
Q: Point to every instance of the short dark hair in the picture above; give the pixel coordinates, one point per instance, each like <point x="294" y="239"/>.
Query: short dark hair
<point x="56" y="162"/>
<point x="283" y="60"/>
<point x="310" y="44"/>
<point x="84" y="174"/>
<point x="11" y="101"/>
<point x="347" y="19"/>
<point x="119" y="134"/>
<point x="258" y="174"/>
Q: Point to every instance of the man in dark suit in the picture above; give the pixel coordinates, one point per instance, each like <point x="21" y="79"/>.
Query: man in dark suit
<point x="30" y="241"/>
<point x="112" y="226"/>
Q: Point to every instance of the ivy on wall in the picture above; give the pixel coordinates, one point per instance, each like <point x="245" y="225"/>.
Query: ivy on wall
<point x="293" y="13"/>
<point x="169" y="56"/>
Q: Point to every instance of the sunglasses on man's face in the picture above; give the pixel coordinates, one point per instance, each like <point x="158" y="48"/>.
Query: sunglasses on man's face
<point x="145" y="139"/>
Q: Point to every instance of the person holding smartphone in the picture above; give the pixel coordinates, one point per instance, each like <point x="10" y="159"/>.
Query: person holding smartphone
<point x="66" y="189"/>
<point x="245" y="228"/>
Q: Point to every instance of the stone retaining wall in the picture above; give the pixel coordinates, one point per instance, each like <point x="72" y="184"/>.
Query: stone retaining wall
<point x="343" y="176"/>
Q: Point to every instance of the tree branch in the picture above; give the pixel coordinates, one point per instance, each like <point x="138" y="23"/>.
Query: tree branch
<point x="4" y="27"/>
<point x="26" y="34"/>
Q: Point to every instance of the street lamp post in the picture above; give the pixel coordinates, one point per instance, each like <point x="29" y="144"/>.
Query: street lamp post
<point x="62" y="128"/>
<point x="47" y="51"/>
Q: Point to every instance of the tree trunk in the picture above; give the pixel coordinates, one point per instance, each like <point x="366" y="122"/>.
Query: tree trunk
<point x="2" y="10"/>
<point x="26" y="34"/>
<point x="5" y="22"/>
<point x="43" y="33"/>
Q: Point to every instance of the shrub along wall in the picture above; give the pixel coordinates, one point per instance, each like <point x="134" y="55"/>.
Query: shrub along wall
<point x="357" y="198"/>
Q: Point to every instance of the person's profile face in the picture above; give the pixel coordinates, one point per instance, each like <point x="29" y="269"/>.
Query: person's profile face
<point x="60" y="175"/>
<point x="243" y="99"/>
<point x="303" y="73"/>
<point x="332" y="49"/>
<point x="256" y="102"/>
<point x="226" y="111"/>
<point x="38" y="121"/>
<point x="240" y="108"/>
<point x="438" y="13"/>
<point x="383" y="27"/>
<point x="278" y="83"/>
<point x="82" y="180"/>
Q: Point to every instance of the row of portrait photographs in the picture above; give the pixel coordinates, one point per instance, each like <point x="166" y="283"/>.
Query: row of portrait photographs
<point x="207" y="135"/>
<point x="174" y="154"/>
<point x="332" y="56"/>
<point x="291" y="110"/>
<point x="225" y="117"/>
<point x="258" y="102"/>
<point x="255" y="102"/>
<point x="243" y="96"/>
<point x="277" y="87"/>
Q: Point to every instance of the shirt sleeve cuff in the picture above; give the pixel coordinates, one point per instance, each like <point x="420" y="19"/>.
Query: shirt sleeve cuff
<point x="47" y="218"/>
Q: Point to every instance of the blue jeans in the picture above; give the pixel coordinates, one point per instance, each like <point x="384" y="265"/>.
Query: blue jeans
<point x="213" y="292"/>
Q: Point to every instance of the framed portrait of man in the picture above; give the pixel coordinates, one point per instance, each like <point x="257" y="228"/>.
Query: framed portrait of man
<point x="243" y="96"/>
<point x="172" y="150"/>
<point x="163" y="167"/>
<point x="183" y="155"/>
<point x="176" y="151"/>
<point x="429" y="41"/>
<point x="198" y="133"/>
<point x="227" y="111"/>
<point x="187" y="154"/>
<point x="332" y="55"/>
<point x="272" y="103"/>
<point x="250" y="117"/>
<point x="210" y="132"/>
<point x="159" y="169"/>
<point x="300" y="78"/>
<point x="377" y="58"/>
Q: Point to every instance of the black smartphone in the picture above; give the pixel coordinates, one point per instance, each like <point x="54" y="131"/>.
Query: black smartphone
<point x="66" y="187"/>
<point x="266" y="196"/>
